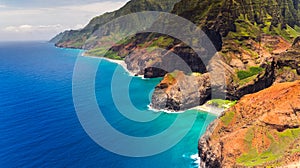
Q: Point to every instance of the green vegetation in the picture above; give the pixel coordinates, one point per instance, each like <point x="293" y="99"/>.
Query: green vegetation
<point x="170" y="78"/>
<point x="113" y="55"/>
<point x="125" y="40"/>
<point x="253" y="158"/>
<point x="150" y="49"/>
<point x="249" y="137"/>
<point x="285" y="71"/>
<point x="247" y="80"/>
<point x="101" y="52"/>
<point x="276" y="151"/>
<point x="196" y="74"/>
<point x="289" y="33"/>
<point x="96" y="52"/>
<point x="289" y="134"/>
<point x="220" y="103"/>
<point x="245" y="29"/>
<point x="297" y="29"/>
<point x="78" y="44"/>
<point x="252" y="71"/>
<point x="174" y="74"/>
<point x="253" y="54"/>
<point x="152" y="43"/>
<point x="227" y="118"/>
<point x="162" y="42"/>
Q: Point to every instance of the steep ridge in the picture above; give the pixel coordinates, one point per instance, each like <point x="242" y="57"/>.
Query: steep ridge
<point x="78" y="38"/>
<point x="252" y="37"/>
<point x="262" y="129"/>
<point x="246" y="32"/>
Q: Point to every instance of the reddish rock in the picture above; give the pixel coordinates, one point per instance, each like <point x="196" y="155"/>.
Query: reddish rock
<point x="267" y="122"/>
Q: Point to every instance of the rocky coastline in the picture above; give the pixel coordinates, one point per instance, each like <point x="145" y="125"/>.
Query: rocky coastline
<point x="257" y="63"/>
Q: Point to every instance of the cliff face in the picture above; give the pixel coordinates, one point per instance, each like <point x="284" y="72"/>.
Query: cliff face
<point x="178" y="91"/>
<point x="261" y="81"/>
<point x="254" y="39"/>
<point x="246" y="32"/>
<point x="159" y="56"/>
<point x="251" y="36"/>
<point x="290" y="58"/>
<point x="280" y="68"/>
<point x="262" y="129"/>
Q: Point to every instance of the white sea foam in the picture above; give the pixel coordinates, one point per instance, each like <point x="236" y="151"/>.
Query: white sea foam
<point x="196" y="159"/>
<point x="203" y="108"/>
<point x="164" y="111"/>
<point x="119" y="62"/>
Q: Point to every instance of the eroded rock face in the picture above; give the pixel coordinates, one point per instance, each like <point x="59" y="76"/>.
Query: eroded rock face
<point x="262" y="81"/>
<point x="178" y="91"/>
<point x="296" y="43"/>
<point x="283" y="67"/>
<point x="263" y="129"/>
<point x="290" y="58"/>
<point x="158" y="62"/>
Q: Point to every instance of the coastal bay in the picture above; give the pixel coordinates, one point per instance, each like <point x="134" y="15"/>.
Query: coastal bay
<point x="39" y="125"/>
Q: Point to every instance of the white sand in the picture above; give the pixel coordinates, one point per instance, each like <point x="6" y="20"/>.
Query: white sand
<point x="204" y="108"/>
<point x="119" y="62"/>
<point x="210" y="109"/>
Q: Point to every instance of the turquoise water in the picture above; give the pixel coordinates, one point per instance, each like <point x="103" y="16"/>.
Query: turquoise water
<point x="39" y="126"/>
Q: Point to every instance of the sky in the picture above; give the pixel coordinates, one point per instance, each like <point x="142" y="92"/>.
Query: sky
<point x="27" y="20"/>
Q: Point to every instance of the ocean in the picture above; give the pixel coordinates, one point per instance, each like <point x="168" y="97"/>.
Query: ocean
<point x="39" y="123"/>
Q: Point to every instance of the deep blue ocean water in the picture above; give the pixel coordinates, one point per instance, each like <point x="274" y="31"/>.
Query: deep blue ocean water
<point x="39" y="126"/>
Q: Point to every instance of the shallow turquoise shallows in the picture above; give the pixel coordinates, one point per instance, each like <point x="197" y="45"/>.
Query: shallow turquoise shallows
<point x="39" y="126"/>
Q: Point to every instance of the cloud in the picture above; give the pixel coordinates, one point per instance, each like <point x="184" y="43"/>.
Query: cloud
<point x="32" y="32"/>
<point x="32" y="28"/>
<point x="39" y="28"/>
<point x="2" y="6"/>
<point x="50" y="3"/>
<point x="95" y="7"/>
<point x="19" y="22"/>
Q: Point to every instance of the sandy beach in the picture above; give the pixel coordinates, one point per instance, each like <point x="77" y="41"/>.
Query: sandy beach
<point x="210" y="109"/>
<point x="120" y="62"/>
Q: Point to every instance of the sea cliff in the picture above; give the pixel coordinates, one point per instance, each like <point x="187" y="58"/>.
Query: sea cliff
<point x="257" y="48"/>
<point x="262" y="129"/>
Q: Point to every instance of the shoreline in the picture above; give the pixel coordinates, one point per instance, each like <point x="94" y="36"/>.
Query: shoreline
<point x="201" y="108"/>
<point x="119" y="62"/>
<point x="165" y="111"/>
<point x="210" y="109"/>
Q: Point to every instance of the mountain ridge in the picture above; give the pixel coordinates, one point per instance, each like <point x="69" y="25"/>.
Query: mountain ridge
<point x="77" y="38"/>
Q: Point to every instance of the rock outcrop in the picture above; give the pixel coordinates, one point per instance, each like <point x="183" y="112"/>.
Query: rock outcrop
<point x="178" y="91"/>
<point x="262" y="129"/>
<point x="288" y="63"/>
<point x="157" y="62"/>
<point x="263" y="80"/>
<point x="278" y="69"/>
